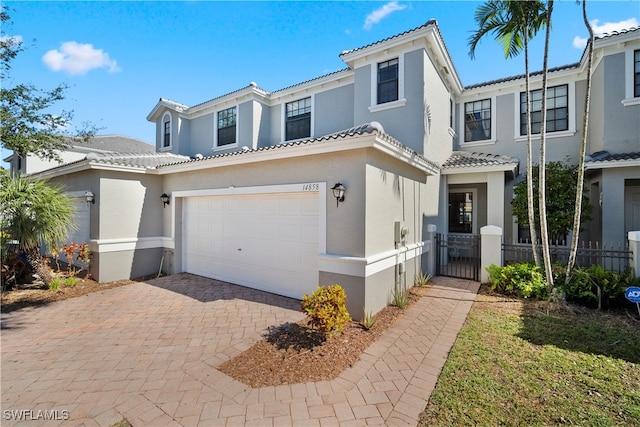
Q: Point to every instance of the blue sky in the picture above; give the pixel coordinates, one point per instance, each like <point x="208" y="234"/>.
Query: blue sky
<point x="118" y="58"/>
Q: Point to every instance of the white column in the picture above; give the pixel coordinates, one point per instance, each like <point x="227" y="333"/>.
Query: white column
<point x="490" y="249"/>
<point x="495" y="199"/>
<point x="431" y="257"/>
<point x="634" y="246"/>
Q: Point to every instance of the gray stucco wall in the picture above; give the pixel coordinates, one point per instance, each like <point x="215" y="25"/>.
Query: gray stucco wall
<point x="263" y="118"/>
<point x="334" y="110"/>
<point x="201" y="136"/>
<point x="405" y="123"/>
<point x="129" y="205"/>
<point x="612" y="186"/>
<point x="621" y="124"/>
<point x="112" y="266"/>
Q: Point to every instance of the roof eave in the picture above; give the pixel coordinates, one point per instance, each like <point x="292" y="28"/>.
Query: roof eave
<point x="609" y="164"/>
<point x="507" y="167"/>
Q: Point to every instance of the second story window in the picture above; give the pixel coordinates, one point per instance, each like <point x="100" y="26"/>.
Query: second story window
<point x="227" y="126"/>
<point x="166" y="129"/>
<point x="388" y="81"/>
<point x="636" y="73"/>
<point x="477" y="120"/>
<point x="557" y="110"/>
<point x="298" y="119"/>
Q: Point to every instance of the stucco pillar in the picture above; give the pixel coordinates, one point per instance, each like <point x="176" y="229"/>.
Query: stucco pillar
<point x="634" y="246"/>
<point x="431" y="256"/>
<point x="490" y="249"/>
<point x="495" y="198"/>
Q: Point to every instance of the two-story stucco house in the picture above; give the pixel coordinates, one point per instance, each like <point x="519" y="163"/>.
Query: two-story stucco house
<point x="251" y="177"/>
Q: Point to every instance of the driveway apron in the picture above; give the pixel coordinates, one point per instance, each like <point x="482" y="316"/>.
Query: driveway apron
<point x="148" y="352"/>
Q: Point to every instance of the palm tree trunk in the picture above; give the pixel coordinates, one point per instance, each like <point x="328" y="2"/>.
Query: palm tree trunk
<point x="530" y="199"/>
<point x="542" y="178"/>
<point x="583" y="150"/>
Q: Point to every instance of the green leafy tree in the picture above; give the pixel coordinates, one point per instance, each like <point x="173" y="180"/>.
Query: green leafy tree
<point x="26" y="124"/>
<point x="514" y="23"/>
<point x="560" y="184"/>
<point x="31" y="211"/>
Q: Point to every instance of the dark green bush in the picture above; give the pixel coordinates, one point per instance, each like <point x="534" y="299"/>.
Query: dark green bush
<point x="596" y="287"/>
<point x="520" y="279"/>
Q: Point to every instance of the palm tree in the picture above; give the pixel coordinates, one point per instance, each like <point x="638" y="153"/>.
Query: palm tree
<point x="583" y="148"/>
<point x="514" y="23"/>
<point x="34" y="213"/>
<point x="542" y="180"/>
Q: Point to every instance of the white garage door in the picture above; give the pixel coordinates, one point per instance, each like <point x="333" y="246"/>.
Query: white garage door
<point x="264" y="241"/>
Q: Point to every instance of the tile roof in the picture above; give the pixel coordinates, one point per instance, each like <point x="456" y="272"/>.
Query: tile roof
<point x="251" y="85"/>
<point x="426" y="24"/>
<point x="141" y="160"/>
<point x="311" y="80"/>
<point x="115" y="143"/>
<point x="605" y="156"/>
<point x="465" y="159"/>
<point x="366" y="128"/>
<point x="554" y="69"/>
<point x="617" y="33"/>
<point x="521" y="76"/>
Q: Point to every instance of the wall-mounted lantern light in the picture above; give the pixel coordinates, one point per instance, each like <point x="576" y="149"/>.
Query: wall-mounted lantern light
<point x="338" y="193"/>
<point x="165" y="199"/>
<point x="89" y="197"/>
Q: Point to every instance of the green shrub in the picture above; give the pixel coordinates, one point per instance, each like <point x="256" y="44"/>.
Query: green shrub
<point x="400" y="297"/>
<point x="422" y="279"/>
<point x="368" y="321"/>
<point x="55" y="284"/>
<point x="327" y="308"/>
<point x="596" y="287"/>
<point x="520" y="279"/>
<point x="70" y="281"/>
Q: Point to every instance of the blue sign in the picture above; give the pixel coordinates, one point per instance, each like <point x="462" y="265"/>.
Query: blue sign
<point x="632" y="294"/>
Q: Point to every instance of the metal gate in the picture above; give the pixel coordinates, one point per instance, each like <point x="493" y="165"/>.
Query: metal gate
<point x="458" y="256"/>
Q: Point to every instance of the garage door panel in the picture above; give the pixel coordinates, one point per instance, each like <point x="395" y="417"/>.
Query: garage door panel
<point x="267" y="241"/>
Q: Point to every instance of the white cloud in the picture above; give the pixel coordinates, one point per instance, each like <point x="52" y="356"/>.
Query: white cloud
<point x="381" y="13"/>
<point x="604" y="28"/>
<point x="78" y="58"/>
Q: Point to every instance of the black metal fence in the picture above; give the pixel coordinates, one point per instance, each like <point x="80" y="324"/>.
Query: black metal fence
<point x="611" y="257"/>
<point x="458" y="256"/>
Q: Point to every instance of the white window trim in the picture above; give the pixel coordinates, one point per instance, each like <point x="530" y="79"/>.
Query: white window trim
<point x="215" y="130"/>
<point x="162" y="122"/>
<point x="571" y="85"/>
<point x="401" y="101"/>
<point x="494" y="123"/>
<point x="283" y="119"/>
<point x="628" y="80"/>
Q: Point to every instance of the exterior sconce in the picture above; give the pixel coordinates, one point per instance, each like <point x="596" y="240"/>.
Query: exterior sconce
<point x="89" y="197"/>
<point x="165" y="200"/>
<point x="338" y="192"/>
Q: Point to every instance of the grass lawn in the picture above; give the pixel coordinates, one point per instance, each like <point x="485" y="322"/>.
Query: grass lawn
<point x="521" y="363"/>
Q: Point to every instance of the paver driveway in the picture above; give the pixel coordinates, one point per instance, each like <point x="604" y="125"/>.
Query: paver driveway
<point x="147" y="352"/>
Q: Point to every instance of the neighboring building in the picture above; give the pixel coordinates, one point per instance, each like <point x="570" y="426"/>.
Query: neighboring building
<point x="249" y="174"/>
<point x="78" y="150"/>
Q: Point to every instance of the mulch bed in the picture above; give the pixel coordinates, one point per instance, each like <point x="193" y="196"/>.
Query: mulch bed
<point x="295" y="353"/>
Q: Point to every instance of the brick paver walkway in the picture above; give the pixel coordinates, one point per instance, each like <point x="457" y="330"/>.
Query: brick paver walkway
<point x="147" y="352"/>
